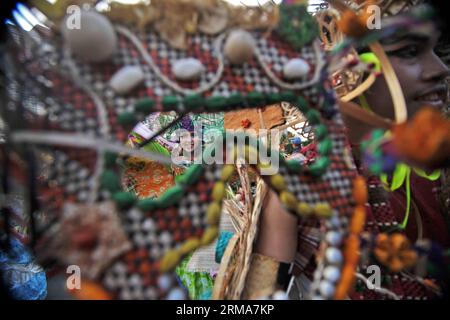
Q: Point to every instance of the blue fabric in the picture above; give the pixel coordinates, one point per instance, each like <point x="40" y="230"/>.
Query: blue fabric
<point x="221" y="245"/>
<point x="25" y="280"/>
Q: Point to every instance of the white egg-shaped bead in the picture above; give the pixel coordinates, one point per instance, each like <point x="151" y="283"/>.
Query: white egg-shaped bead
<point x="280" y="295"/>
<point x="296" y="69"/>
<point x="164" y="282"/>
<point x="332" y="274"/>
<point x="92" y="39"/>
<point x="188" y="69"/>
<point x="239" y="47"/>
<point x="333" y="256"/>
<point x="326" y="289"/>
<point x="334" y="238"/>
<point x="176" y="294"/>
<point x="126" y="79"/>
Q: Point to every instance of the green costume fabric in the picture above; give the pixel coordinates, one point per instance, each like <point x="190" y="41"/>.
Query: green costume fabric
<point x="198" y="284"/>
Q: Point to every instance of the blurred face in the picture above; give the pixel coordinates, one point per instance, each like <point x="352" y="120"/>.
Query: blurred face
<point x="420" y="72"/>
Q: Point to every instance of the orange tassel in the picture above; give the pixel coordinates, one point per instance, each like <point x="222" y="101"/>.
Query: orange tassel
<point x="358" y="220"/>
<point x="351" y="254"/>
<point x="347" y="280"/>
<point x="360" y="193"/>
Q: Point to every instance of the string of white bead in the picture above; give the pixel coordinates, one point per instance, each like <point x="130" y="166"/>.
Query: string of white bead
<point x="174" y="86"/>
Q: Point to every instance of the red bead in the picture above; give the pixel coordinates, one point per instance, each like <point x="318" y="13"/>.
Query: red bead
<point x="177" y="236"/>
<point x="162" y="225"/>
<point x="174" y="225"/>
<point x="203" y="197"/>
<point x="129" y="256"/>
<point x="142" y="253"/>
<point x="145" y="268"/>
<point x="186" y="224"/>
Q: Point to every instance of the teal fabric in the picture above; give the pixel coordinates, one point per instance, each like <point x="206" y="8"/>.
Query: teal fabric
<point x="222" y="243"/>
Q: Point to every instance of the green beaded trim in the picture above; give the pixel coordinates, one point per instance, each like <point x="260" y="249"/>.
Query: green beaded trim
<point x="197" y="102"/>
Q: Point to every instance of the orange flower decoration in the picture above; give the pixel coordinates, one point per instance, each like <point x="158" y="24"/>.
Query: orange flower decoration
<point x="395" y="252"/>
<point x="424" y="141"/>
<point x="351" y="23"/>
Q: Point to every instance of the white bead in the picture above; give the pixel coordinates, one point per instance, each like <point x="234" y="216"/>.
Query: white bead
<point x="334" y="238"/>
<point x="135" y="280"/>
<point x="120" y="268"/>
<point x="165" y="237"/>
<point x="150" y="294"/>
<point x="296" y="69"/>
<point x="93" y="40"/>
<point x="155" y="252"/>
<point x="139" y="239"/>
<point x="126" y="79"/>
<point x="135" y="214"/>
<point x="332" y="274"/>
<point x="151" y="237"/>
<point x="239" y="47"/>
<point x="187" y="69"/>
<point x="326" y="289"/>
<point x="164" y="282"/>
<point x="333" y="256"/>
<point x="148" y="225"/>
<point x="125" y="295"/>
<point x="334" y="222"/>
<point x="280" y="295"/>
<point x="176" y="294"/>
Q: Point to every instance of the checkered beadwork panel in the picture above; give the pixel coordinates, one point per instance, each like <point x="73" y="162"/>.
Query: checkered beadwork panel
<point x="69" y="174"/>
<point x="152" y="234"/>
<point x="136" y="285"/>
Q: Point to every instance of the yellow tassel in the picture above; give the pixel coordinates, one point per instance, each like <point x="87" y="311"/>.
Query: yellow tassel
<point x="304" y="209"/>
<point x="189" y="246"/>
<point x="213" y="213"/>
<point x="289" y="200"/>
<point x="323" y="210"/>
<point x="170" y="261"/>
<point x="278" y="182"/>
<point x="227" y="172"/>
<point x="218" y="192"/>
